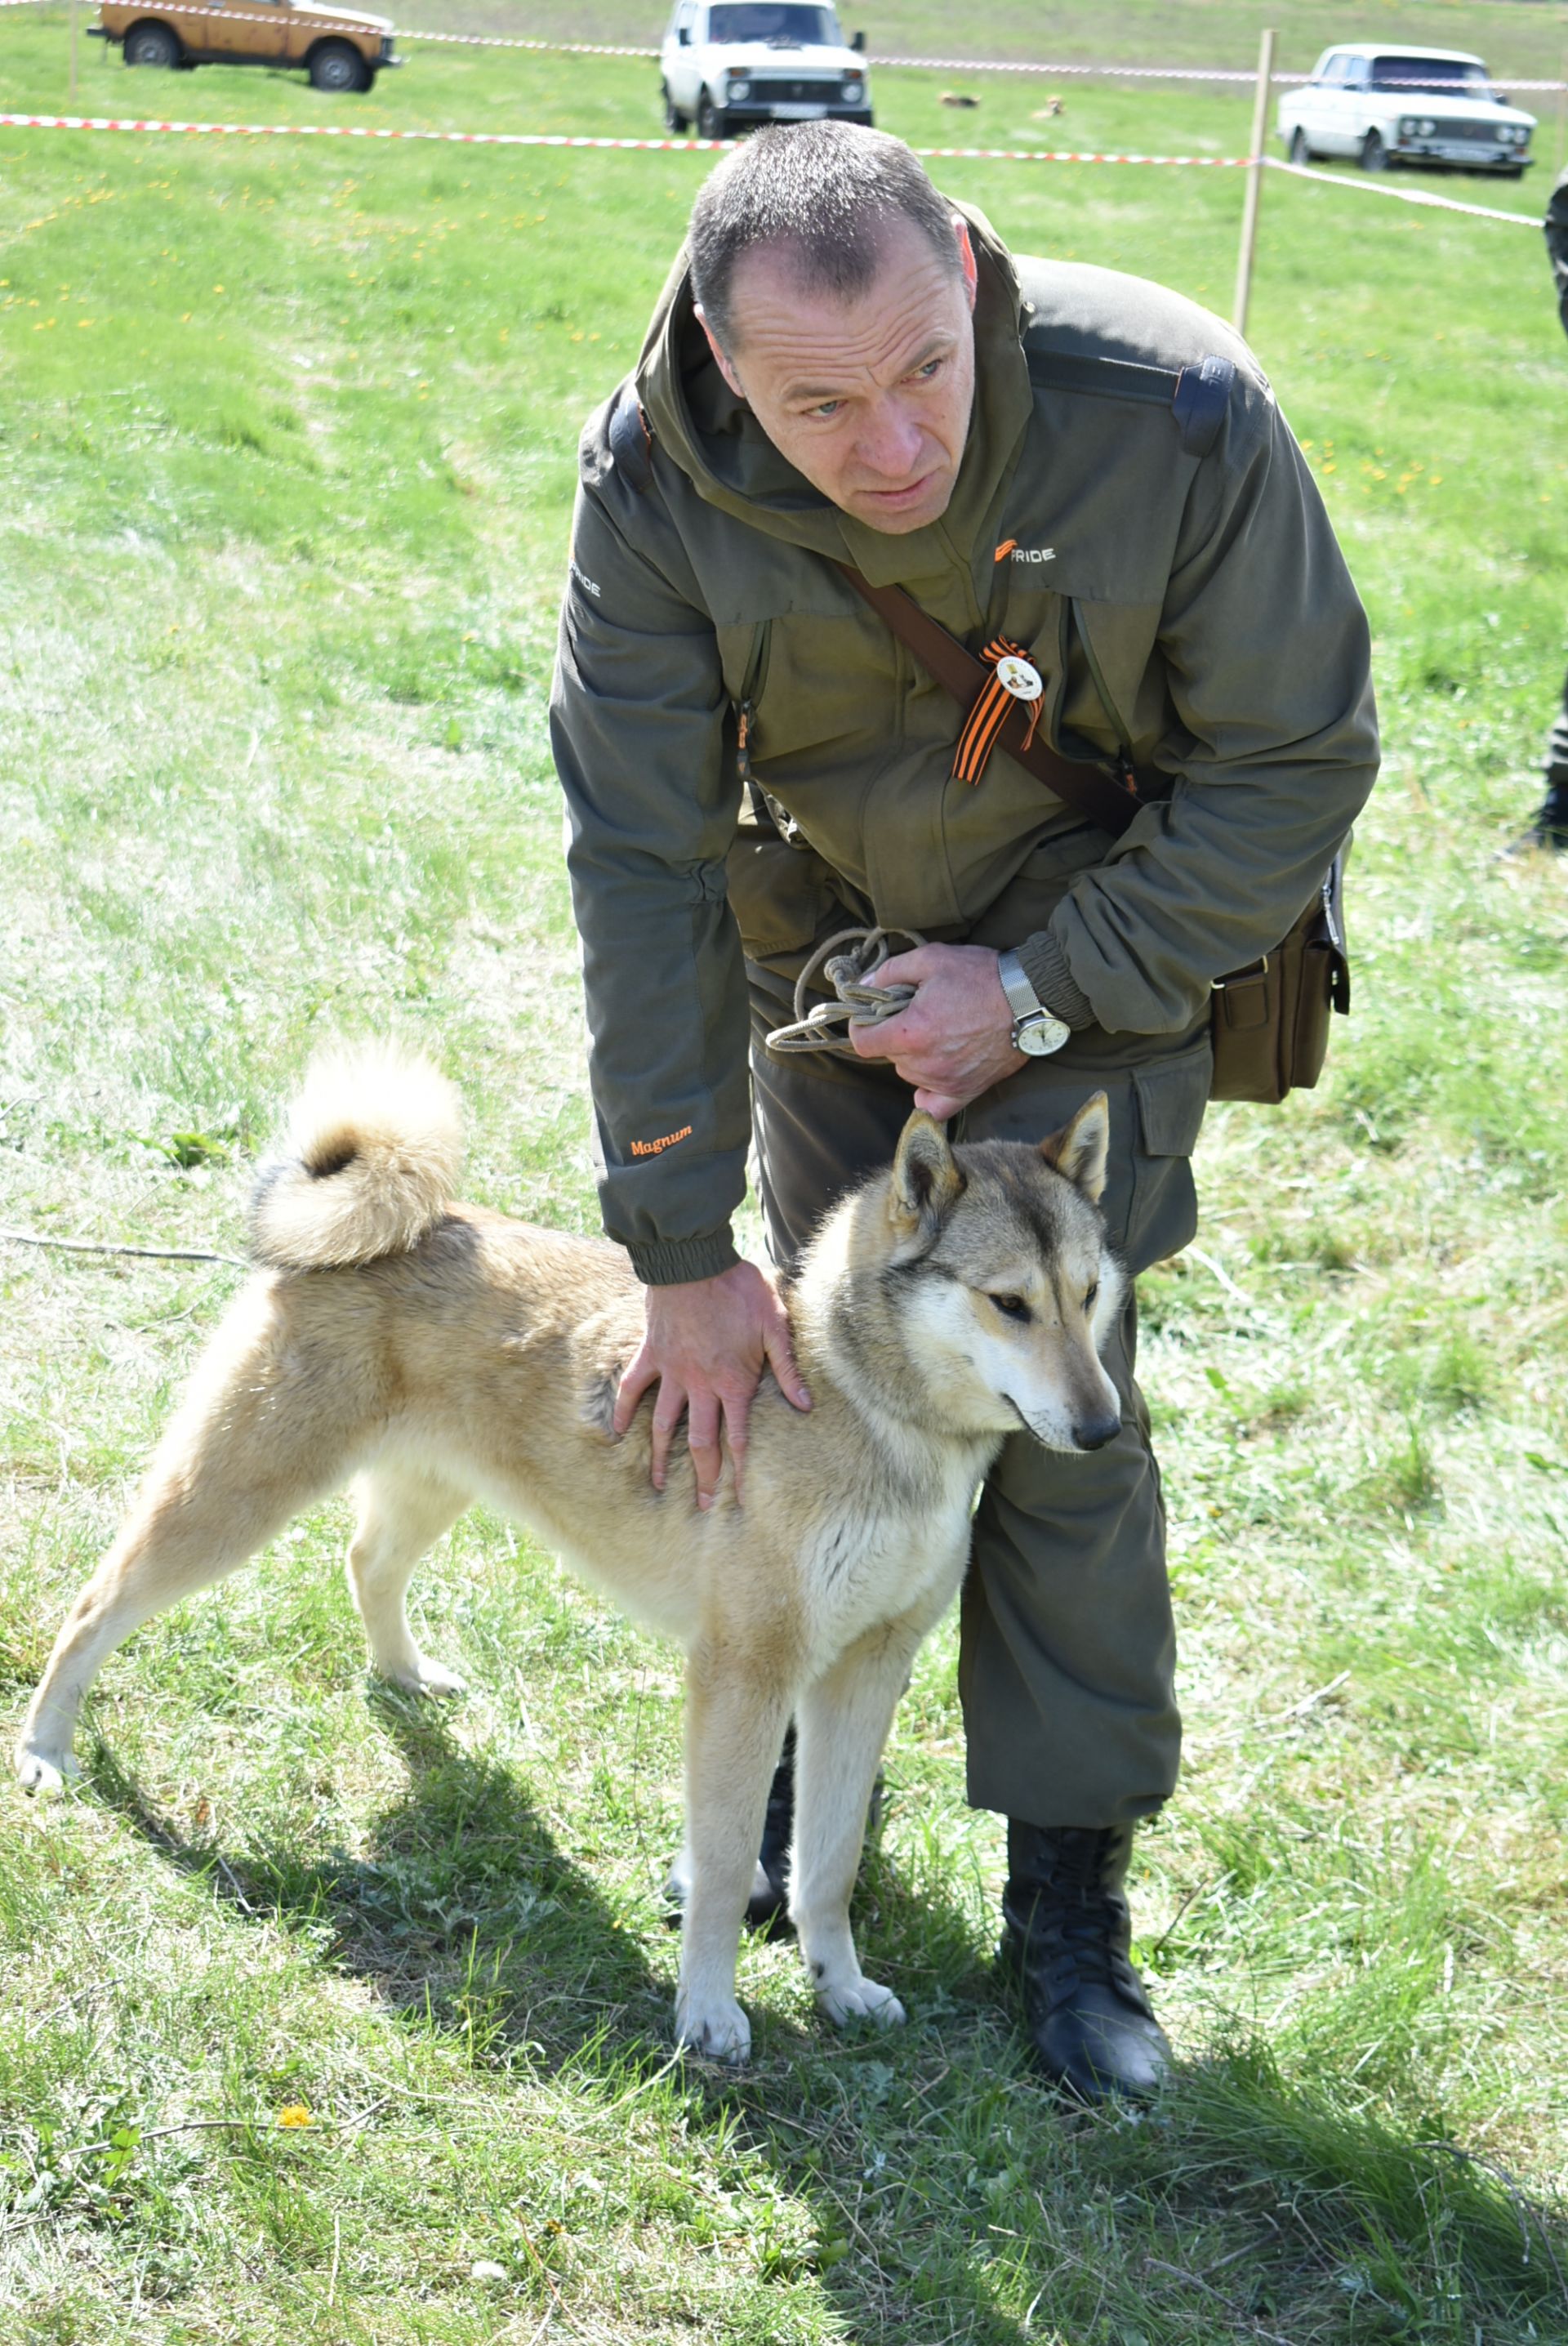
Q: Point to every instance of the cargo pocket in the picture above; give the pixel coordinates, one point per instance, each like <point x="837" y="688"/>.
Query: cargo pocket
<point x="1172" y="1094"/>
<point x="781" y="895"/>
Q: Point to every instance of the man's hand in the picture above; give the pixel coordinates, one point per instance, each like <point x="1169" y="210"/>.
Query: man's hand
<point x="955" y="1039"/>
<point x="705" y="1345"/>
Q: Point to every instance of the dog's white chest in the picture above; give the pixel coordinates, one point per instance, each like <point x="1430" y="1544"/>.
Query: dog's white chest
<point x="872" y="1565"/>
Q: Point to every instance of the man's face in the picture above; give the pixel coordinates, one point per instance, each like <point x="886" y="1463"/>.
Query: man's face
<point x="868" y="398"/>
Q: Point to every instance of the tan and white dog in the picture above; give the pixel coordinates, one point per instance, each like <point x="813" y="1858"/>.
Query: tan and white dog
<point x="438" y="1353"/>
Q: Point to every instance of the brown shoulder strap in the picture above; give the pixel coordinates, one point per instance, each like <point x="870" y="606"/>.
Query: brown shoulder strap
<point x="1092" y="789"/>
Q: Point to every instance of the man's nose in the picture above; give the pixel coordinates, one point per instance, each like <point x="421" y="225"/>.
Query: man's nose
<point x="890" y="441"/>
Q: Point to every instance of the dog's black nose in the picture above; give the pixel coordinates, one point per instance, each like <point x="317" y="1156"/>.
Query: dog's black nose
<point x="1096" y="1433"/>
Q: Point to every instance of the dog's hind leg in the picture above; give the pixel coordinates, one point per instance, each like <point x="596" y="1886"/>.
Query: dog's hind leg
<point x="843" y="1723"/>
<point x="189" y="1525"/>
<point x="258" y="1435"/>
<point x="402" y="1511"/>
<point x="734" y="1726"/>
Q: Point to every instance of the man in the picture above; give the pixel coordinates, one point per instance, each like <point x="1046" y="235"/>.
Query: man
<point x="846" y="368"/>
<point x="1550" y="828"/>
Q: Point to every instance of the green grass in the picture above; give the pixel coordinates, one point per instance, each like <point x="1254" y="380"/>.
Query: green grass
<point x="1516" y="37"/>
<point x="280" y="564"/>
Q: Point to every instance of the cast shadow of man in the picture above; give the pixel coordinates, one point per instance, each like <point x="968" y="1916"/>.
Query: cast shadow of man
<point x="462" y="1906"/>
<point x="462" y="1911"/>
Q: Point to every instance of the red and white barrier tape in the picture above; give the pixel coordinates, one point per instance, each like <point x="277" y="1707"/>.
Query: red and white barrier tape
<point x="1369" y="187"/>
<point x="720" y="145"/>
<point x="1095" y="72"/>
<point x="560" y="138"/>
<point x="1118" y="72"/>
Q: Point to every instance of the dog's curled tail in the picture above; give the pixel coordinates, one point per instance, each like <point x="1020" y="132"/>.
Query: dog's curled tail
<point x="369" y="1158"/>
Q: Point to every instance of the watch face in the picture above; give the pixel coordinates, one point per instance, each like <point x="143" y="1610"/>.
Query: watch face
<point x="1040" y="1035"/>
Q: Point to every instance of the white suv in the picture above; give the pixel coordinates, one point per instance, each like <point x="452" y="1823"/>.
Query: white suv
<point x="730" y="65"/>
<point x="1387" y="106"/>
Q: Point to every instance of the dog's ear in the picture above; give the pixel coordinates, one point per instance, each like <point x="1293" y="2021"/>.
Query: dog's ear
<point x="926" y="1178"/>
<point x="1079" y="1151"/>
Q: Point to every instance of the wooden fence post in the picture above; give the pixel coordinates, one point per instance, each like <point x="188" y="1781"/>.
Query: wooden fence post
<point x="1254" y="180"/>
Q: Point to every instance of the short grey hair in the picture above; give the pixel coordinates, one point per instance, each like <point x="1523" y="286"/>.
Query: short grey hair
<point x="825" y="190"/>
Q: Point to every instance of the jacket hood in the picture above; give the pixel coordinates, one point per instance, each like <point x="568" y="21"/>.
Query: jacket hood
<point x="715" y="439"/>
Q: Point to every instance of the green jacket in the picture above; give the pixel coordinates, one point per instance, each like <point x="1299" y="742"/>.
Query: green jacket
<point x="1189" y="608"/>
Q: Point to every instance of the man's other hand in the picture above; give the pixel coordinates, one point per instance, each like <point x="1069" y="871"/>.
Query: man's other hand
<point x="955" y="1039"/>
<point x="705" y="1345"/>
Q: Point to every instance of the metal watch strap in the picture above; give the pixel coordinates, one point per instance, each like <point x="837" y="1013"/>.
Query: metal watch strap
<point x="1024" y="1002"/>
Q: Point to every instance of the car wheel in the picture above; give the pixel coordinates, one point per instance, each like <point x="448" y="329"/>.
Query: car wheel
<point x="1300" y="153"/>
<point x="1374" y="154"/>
<point x="151" y="45"/>
<point x="675" y="120"/>
<point x="334" y="65"/>
<point x="712" y="122"/>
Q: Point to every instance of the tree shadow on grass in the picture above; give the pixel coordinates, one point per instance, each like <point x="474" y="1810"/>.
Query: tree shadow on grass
<point x="950" y="2197"/>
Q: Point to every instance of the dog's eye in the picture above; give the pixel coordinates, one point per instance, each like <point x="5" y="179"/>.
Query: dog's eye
<point x="1012" y="1307"/>
<point x="1089" y="1298"/>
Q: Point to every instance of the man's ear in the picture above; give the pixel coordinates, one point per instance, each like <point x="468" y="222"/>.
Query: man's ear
<point x="1079" y="1151"/>
<point x="927" y="1181"/>
<point x="966" y="256"/>
<point x="719" y="361"/>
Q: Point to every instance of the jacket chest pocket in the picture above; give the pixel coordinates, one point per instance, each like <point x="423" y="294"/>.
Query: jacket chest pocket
<point x="816" y="691"/>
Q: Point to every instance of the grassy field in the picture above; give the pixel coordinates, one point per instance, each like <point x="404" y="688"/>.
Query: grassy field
<point x="330" y="2017"/>
<point x="1517" y="36"/>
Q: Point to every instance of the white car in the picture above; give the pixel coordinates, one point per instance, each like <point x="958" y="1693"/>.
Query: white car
<point x="1387" y="106"/>
<point x="730" y="65"/>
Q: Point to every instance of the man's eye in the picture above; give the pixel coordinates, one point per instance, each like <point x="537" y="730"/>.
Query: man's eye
<point x="924" y="373"/>
<point x="1012" y="1307"/>
<point x="828" y="407"/>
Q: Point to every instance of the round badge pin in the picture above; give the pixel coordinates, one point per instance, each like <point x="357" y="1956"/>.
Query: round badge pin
<point x="1020" y="678"/>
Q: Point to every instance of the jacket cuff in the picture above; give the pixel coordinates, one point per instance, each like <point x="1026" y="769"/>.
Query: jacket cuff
<point x="1044" y="965"/>
<point x="673" y="1262"/>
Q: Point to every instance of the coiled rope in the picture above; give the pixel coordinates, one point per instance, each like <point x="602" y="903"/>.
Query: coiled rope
<point x="848" y="960"/>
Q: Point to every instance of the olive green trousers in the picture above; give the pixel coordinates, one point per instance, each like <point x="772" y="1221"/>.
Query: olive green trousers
<point x="1067" y="1648"/>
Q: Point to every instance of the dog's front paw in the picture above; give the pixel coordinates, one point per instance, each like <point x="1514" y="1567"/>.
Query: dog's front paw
<point x="422" y="1676"/>
<point x="720" y="2031"/>
<point x="860" y="1999"/>
<point x="48" y="1772"/>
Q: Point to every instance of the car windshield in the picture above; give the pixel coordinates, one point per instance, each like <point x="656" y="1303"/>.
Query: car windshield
<point x="788" y="26"/>
<point x="1439" y="74"/>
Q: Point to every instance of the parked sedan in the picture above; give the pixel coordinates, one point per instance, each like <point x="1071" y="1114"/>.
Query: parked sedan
<point x="1387" y="106"/>
<point x="340" y="48"/>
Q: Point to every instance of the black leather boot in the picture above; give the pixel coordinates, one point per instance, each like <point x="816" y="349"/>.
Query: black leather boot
<point x="1066" y="1932"/>
<point x="1549" y="827"/>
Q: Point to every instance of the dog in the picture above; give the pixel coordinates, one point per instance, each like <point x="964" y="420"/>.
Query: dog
<point x="436" y="1354"/>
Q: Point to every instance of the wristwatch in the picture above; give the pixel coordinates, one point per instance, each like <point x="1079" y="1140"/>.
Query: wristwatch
<point x="1035" y="1030"/>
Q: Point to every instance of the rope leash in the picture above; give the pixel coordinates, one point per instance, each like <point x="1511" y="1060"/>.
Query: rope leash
<point x="848" y="960"/>
<point x="147" y="1254"/>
